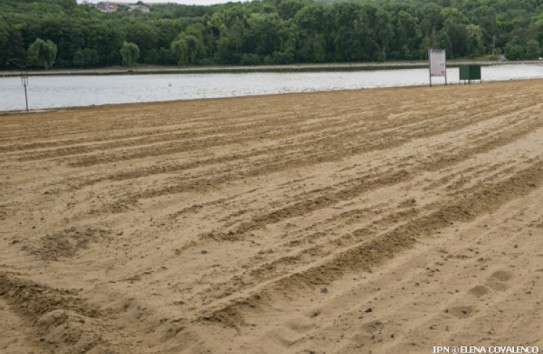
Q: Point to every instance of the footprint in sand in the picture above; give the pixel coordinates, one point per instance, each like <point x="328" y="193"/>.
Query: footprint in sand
<point x="373" y="326"/>
<point x="478" y="290"/>
<point x="497" y="280"/>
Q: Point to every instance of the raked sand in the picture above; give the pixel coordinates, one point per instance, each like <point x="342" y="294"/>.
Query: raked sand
<point x="382" y="221"/>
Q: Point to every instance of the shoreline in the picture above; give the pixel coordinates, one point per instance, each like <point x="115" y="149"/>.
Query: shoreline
<point x="255" y="69"/>
<point x="124" y="104"/>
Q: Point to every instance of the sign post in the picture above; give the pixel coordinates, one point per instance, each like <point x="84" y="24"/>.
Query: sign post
<point x="23" y="65"/>
<point x="24" y="79"/>
<point x="437" y="64"/>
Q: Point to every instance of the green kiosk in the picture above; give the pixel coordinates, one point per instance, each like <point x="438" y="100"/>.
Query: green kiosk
<point x="470" y="72"/>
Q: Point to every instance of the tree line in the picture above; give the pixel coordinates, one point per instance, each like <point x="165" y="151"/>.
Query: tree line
<point x="268" y="32"/>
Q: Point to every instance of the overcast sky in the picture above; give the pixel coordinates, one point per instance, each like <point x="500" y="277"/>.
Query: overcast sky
<point x="186" y="2"/>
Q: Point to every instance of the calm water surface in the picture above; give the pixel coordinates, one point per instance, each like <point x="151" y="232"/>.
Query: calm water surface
<point x="66" y="91"/>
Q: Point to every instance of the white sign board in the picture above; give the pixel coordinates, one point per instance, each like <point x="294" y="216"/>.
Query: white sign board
<point x="437" y="62"/>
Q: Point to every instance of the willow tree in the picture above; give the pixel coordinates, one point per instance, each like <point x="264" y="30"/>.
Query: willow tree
<point x="42" y="53"/>
<point x="130" y="52"/>
<point x="187" y="49"/>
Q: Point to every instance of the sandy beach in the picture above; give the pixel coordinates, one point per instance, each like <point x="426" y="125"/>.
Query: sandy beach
<point x="368" y="221"/>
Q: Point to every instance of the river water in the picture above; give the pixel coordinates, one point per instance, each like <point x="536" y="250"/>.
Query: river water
<point x="68" y="91"/>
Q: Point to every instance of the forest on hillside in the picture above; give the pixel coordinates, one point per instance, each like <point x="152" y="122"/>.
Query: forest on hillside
<point x="268" y="32"/>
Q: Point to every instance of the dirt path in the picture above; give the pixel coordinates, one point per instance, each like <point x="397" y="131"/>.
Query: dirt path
<point x="381" y="221"/>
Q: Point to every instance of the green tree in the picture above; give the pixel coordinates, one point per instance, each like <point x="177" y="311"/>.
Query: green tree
<point x="42" y="53"/>
<point x="233" y="27"/>
<point x="4" y="42"/>
<point x="475" y="45"/>
<point x="485" y="17"/>
<point x="533" y="49"/>
<point x="407" y="36"/>
<point x="346" y="39"/>
<point x="456" y="33"/>
<point x="15" y="46"/>
<point x="106" y="40"/>
<point x="86" y="57"/>
<point x="313" y="28"/>
<point x="144" y="35"/>
<point x="383" y="32"/>
<point x="185" y="48"/>
<point x="514" y="51"/>
<point x="288" y="8"/>
<point x="273" y="31"/>
<point x="430" y="19"/>
<point x="189" y="47"/>
<point x="271" y="38"/>
<point x="429" y="42"/>
<point x="130" y="53"/>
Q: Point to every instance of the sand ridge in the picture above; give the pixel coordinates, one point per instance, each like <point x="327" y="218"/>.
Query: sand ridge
<point x="385" y="220"/>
